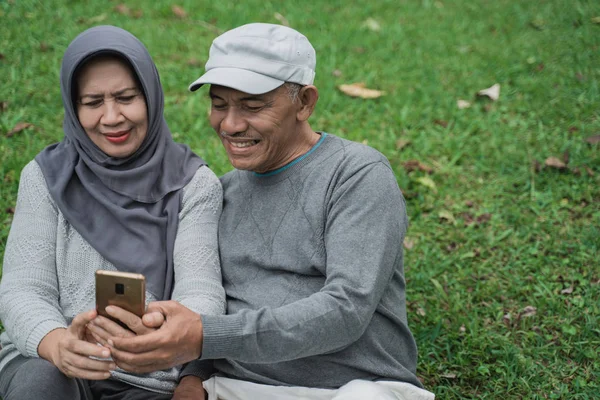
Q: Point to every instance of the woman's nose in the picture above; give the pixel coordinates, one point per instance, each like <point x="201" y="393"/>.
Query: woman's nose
<point x="112" y="113"/>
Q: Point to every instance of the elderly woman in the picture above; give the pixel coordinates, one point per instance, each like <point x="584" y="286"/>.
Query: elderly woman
<point x="116" y="194"/>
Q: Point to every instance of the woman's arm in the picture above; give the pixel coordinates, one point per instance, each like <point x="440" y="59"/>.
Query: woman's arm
<point x="29" y="306"/>
<point x="196" y="257"/>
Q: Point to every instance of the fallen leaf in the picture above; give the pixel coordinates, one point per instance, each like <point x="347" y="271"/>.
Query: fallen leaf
<point x="448" y="376"/>
<point x="462" y="328"/>
<point x="483" y="218"/>
<point x="43" y="47"/>
<point x="537" y="167"/>
<point x="593" y="139"/>
<point x="421" y="312"/>
<point x="3" y="106"/>
<point x="97" y="18"/>
<point x="462" y="104"/>
<point x="122" y="9"/>
<point x="178" y="11"/>
<point x="359" y="90"/>
<point x="538" y="23"/>
<point x="336" y="73"/>
<point x="408" y="243"/>
<point x="402" y="143"/>
<point x="18" y="128"/>
<point x="589" y="171"/>
<point x="447" y="215"/>
<point x="565" y="157"/>
<point x="416" y="165"/>
<point x="469" y="203"/>
<point x="10" y="210"/>
<point x="596" y="20"/>
<point x="451" y="247"/>
<point x="441" y="122"/>
<point x="493" y="92"/>
<point x="507" y="319"/>
<point x="194" y="62"/>
<point x="568" y="290"/>
<point x="282" y="20"/>
<point x="372" y="25"/>
<point x="554" y="162"/>
<point x="427" y="182"/>
<point x="528" y="311"/>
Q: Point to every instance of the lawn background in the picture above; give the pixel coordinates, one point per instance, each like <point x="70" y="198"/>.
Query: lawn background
<point x="502" y="254"/>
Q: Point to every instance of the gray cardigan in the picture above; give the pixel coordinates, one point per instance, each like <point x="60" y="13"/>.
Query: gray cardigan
<point x="48" y="271"/>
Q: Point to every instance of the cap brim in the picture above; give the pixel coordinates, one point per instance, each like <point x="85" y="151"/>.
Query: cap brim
<point x="238" y="79"/>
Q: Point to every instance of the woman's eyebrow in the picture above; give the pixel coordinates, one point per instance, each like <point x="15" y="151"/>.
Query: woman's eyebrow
<point x="114" y="94"/>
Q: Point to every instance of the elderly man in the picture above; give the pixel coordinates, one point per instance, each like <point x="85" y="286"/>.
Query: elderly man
<point x="311" y="246"/>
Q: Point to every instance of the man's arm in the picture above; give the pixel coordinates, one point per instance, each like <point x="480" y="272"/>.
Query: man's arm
<point x="364" y="230"/>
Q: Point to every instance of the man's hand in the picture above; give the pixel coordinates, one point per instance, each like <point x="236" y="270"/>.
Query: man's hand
<point x="177" y="341"/>
<point x="70" y="353"/>
<point x="190" y="388"/>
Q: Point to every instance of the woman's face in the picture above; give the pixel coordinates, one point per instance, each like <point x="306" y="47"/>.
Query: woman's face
<point x="111" y="107"/>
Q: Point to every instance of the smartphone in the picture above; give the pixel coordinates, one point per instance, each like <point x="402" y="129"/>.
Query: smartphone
<point x="122" y="289"/>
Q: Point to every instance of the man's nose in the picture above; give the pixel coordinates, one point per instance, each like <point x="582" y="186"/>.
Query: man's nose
<point x="233" y="122"/>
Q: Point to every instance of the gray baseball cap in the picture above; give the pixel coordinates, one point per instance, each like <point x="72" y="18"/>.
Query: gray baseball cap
<point x="257" y="58"/>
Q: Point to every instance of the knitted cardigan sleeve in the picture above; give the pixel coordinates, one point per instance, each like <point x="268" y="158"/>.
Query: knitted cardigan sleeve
<point x="196" y="256"/>
<point x="29" y="293"/>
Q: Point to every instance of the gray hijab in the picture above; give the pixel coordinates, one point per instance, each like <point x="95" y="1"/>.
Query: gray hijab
<point x="125" y="208"/>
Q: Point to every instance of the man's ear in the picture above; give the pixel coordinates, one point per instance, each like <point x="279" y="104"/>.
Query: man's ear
<point x="307" y="98"/>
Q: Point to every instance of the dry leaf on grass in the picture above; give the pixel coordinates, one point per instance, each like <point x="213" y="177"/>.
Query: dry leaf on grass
<point x="447" y="215"/>
<point x="554" y="162"/>
<point x="10" y="210"/>
<point x="568" y="290"/>
<point x="462" y="104"/>
<point x="421" y="312"/>
<point x="596" y="20"/>
<point x="427" y="182"/>
<point x="336" y="73"/>
<point x="441" y="122"/>
<point x="18" y="128"/>
<point x="359" y="90"/>
<point x="408" y="243"/>
<point x="402" y="143"/>
<point x="122" y="9"/>
<point x="178" y="11"/>
<point x="593" y="139"/>
<point x="282" y="20"/>
<point x="528" y="311"/>
<point x="97" y="18"/>
<point x="416" y="165"/>
<point x="372" y="24"/>
<point x="3" y="106"/>
<point x="493" y="92"/>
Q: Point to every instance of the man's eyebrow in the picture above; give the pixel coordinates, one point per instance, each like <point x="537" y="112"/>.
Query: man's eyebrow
<point x="114" y="94"/>
<point x="255" y="97"/>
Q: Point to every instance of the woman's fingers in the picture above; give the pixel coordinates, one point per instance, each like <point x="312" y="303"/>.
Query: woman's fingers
<point x="131" y="320"/>
<point x="107" y="328"/>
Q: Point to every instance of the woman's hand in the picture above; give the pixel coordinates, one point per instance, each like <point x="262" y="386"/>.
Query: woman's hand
<point x="68" y="350"/>
<point x="101" y="328"/>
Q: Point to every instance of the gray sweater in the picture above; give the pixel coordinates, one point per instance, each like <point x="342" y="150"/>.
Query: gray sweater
<point x="48" y="271"/>
<point x="312" y="265"/>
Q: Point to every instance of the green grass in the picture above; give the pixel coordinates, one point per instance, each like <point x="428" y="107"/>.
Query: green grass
<point x="510" y="236"/>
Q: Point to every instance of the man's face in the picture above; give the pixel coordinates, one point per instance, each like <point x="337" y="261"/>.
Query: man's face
<point x="257" y="131"/>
